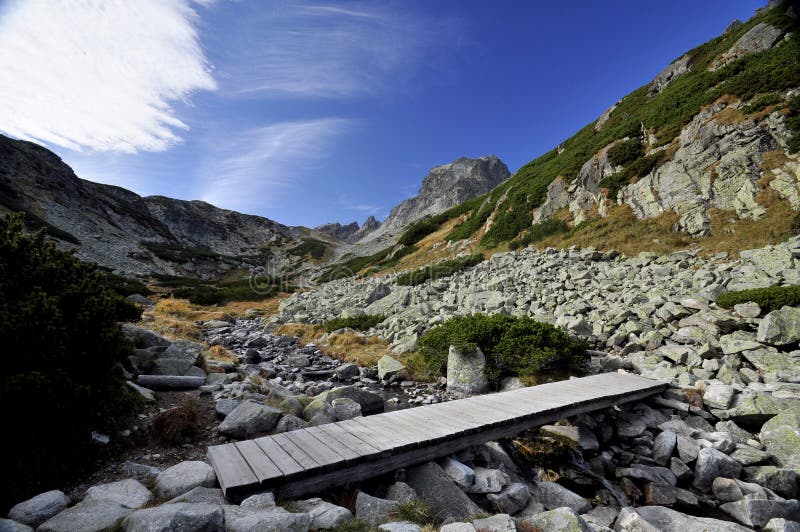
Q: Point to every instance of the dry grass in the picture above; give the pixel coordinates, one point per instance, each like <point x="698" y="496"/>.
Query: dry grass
<point x="177" y="424"/>
<point x="349" y="346"/>
<point x="217" y="353"/>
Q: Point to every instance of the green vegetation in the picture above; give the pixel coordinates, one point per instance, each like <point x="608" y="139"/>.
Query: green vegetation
<point x="625" y="152"/>
<point x="201" y="293"/>
<point x="793" y="123"/>
<point x="437" y="271"/>
<point x="178" y="253"/>
<point x="362" y="322"/>
<point x="769" y="299"/>
<point x="416" y="511"/>
<point x="126" y="287"/>
<point x="762" y="102"/>
<point x="512" y="345"/>
<point x="310" y="246"/>
<point x="62" y="356"/>
<point x="418" y="231"/>
<point x="539" y="231"/>
<point x="385" y="258"/>
<point x="663" y="115"/>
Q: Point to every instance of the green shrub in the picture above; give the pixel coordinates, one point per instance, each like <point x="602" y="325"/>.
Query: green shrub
<point x="310" y="246"/>
<point x="625" y="152"/>
<point x="512" y="345"/>
<point x="126" y="287"/>
<point x="418" y="231"/>
<point x="385" y="258"/>
<point x="762" y="102"/>
<point x="768" y="299"/>
<point x="362" y="322"/>
<point x="540" y="231"/>
<point x="62" y="350"/>
<point x="437" y="271"/>
<point x="414" y="511"/>
<point x="202" y="293"/>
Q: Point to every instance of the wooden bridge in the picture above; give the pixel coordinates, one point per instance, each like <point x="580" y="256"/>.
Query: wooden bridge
<point x="316" y="458"/>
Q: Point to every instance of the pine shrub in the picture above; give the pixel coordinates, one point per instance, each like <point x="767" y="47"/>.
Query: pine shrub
<point x="769" y="299"/>
<point x="362" y="322"/>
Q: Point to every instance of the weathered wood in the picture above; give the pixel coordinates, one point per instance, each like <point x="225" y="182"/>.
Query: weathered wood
<point x="317" y="458"/>
<point x="170" y="382"/>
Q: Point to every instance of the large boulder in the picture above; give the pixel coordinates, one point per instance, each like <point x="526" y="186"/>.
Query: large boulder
<point x="711" y="464"/>
<point x="389" y="367"/>
<point x="780" y="327"/>
<point x="554" y="496"/>
<point x="128" y="493"/>
<point x="658" y="519"/>
<point x="238" y="519"/>
<point x="758" y="512"/>
<point x="87" y="516"/>
<point x="445" y="498"/>
<point x="781" y="436"/>
<point x="371" y="403"/>
<point x="178" y="358"/>
<point x="373" y="510"/>
<point x="9" y="525"/>
<point x="39" y="509"/>
<point x="184" y="476"/>
<point x="324" y="515"/>
<point x="465" y="372"/>
<point x="180" y="516"/>
<point x="249" y="419"/>
<point x="557" y="520"/>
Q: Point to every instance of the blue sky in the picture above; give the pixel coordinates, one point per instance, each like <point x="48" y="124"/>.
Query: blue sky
<point x="310" y="112"/>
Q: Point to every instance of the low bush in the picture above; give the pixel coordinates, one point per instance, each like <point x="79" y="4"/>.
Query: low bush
<point x="437" y="271"/>
<point x="126" y="287"/>
<point x="175" y="425"/>
<point x="226" y="291"/>
<point x="310" y="247"/>
<point x="512" y="345"/>
<point x="768" y="299"/>
<point x="361" y="322"/>
<point x="625" y="152"/>
<point x="418" y="231"/>
<point x="414" y="511"/>
<point x="539" y="231"/>
<point x="760" y="103"/>
<point x="61" y="374"/>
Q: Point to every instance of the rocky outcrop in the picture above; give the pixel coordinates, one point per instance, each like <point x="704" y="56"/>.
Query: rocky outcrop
<point x="342" y="232"/>
<point x="677" y="68"/>
<point x="760" y="37"/>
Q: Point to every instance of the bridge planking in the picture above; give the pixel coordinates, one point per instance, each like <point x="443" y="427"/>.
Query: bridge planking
<point x="317" y="458"/>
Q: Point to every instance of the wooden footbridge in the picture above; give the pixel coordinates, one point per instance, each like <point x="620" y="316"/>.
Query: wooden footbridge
<point x="317" y="458"/>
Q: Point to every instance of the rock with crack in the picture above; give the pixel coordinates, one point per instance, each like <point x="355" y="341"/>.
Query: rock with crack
<point x="446" y="500"/>
<point x="466" y="372"/>
<point x="249" y="419"/>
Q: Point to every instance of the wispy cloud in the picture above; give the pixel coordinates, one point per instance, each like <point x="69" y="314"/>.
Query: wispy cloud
<point x="255" y="168"/>
<point x="305" y="50"/>
<point x="99" y="75"/>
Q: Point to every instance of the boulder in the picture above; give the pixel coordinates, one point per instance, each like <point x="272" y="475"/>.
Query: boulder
<point x="249" y="419"/>
<point x="128" y="493"/>
<point x="144" y="338"/>
<point x="373" y="510"/>
<point x="180" y="516"/>
<point x="488" y="480"/>
<point x="87" y="516"/>
<point x="512" y="499"/>
<point x="557" y="520"/>
<point x="347" y="371"/>
<point x="782" y="525"/>
<point x="184" y="476"/>
<point x="324" y="515"/>
<point x="581" y="437"/>
<point x="758" y="512"/>
<point x="400" y="492"/>
<point x="371" y="403"/>
<point x="9" y="525"/>
<point x="780" y="327"/>
<point x="782" y="481"/>
<point x="461" y="474"/>
<point x="201" y="494"/>
<point x="495" y="523"/>
<point x="718" y="395"/>
<point x="177" y="358"/>
<point x="664" y="446"/>
<point x="35" y="511"/>
<point x="345" y="408"/>
<point x="554" y="496"/>
<point x="400" y="526"/>
<point x="170" y="382"/>
<point x="658" y="518"/>
<point x="711" y="464"/>
<point x="389" y="367"/>
<point x="290" y="423"/>
<point x="238" y="519"/>
<point x="458" y="527"/>
<point x="445" y="498"/>
<point x="465" y="372"/>
<point x="259" y="501"/>
<point x="781" y="437"/>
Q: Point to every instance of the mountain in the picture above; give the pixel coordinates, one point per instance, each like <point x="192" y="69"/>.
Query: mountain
<point x="708" y="148"/>
<point x="137" y="235"/>
<point x="342" y="232"/>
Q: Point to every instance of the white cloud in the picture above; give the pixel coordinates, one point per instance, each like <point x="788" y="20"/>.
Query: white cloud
<point x="252" y="169"/>
<point x="99" y="75"/>
<point x="324" y="50"/>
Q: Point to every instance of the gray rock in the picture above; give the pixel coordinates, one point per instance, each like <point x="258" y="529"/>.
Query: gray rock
<point x="249" y="419"/>
<point x="201" y="494"/>
<point x="128" y="493"/>
<point x="180" y="516"/>
<point x="601" y="516"/>
<point x="371" y="403"/>
<point x="757" y="512"/>
<point x="344" y="409"/>
<point x="558" y="520"/>
<point x="664" y="446"/>
<point x="260" y="501"/>
<point x="400" y="526"/>
<point x="554" y="496"/>
<point x="223" y="407"/>
<point x="40" y="508"/>
<point x="458" y="527"/>
<point x="512" y="499"/>
<point x="781" y="437"/>
<point x="144" y="338"/>
<point x="580" y="436"/>
<point x="760" y="37"/>
<point x="465" y="372"/>
<point x="747" y="310"/>
<point x="178" y="358"/>
<point x="87" y="516"/>
<point x="184" y="476"/>
<point x="289" y="423"/>
<point x="712" y="464"/>
<point x="461" y="474"/>
<point x="780" y="327"/>
<point x="495" y="523"/>
<point x="140" y="470"/>
<point x="445" y="498"/>
<point x="347" y="371"/>
<point x="658" y="518"/>
<point x="238" y="519"/>
<point x="781" y="481"/>
<point x="781" y="525"/>
<point x="170" y="382"/>
<point x="389" y="367"/>
<point x="718" y="395"/>
<point x="9" y="525"/>
<point x="373" y="510"/>
<point x="324" y="515"/>
<point x="400" y="492"/>
<point x="488" y="480"/>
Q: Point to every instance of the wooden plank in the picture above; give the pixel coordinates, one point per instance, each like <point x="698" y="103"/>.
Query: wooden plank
<point x="231" y="467"/>
<point x="365" y="434"/>
<point x="279" y="456"/>
<point x="259" y="462"/>
<point x="359" y="446"/>
<point x="295" y="452"/>
<point x="335" y="445"/>
<point x="314" y="448"/>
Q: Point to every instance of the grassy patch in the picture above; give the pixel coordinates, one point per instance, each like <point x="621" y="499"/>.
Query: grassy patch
<point x="416" y="511"/>
<point x="310" y="247"/>
<point x="437" y="271"/>
<point x="761" y="102"/>
<point x="177" y="424"/>
<point x="769" y="299"/>
<point x="352" y="347"/>
<point x="625" y="152"/>
<point x="385" y="258"/>
<point x="512" y="345"/>
<point x="361" y="322"/>
<point x="539" y="231"/>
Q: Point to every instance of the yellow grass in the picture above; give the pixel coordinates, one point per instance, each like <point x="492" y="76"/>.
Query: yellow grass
<point x="348" y="346"/>
<point x="217" y="353"/>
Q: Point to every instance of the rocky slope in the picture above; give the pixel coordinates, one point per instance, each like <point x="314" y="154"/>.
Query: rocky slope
<point x="140" y="236"/>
